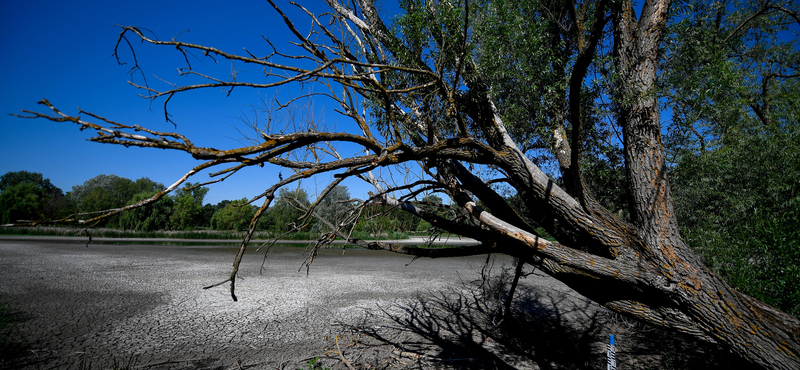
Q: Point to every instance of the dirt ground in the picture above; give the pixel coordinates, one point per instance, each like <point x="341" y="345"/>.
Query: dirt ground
<point x="143" y="307"/>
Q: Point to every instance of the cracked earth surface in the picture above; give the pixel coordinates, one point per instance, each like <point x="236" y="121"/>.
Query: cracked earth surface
<point x="121" y="304"/>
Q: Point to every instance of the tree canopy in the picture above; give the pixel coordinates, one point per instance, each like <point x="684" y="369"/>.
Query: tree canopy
<point x="558" y="104"/>
<point x="29" y="196"/>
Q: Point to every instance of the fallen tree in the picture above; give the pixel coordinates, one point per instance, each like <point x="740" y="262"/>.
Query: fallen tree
<point x="418" y="96"/>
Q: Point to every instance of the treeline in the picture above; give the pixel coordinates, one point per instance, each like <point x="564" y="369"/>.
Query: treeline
<point x="30" y="196"/>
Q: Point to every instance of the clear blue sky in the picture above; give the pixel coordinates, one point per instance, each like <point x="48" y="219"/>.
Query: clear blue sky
<point x="62" y="51"/>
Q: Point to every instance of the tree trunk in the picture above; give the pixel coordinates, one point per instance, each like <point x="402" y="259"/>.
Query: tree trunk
<point x="644" y="269"/>
<point x="711" y="308"/>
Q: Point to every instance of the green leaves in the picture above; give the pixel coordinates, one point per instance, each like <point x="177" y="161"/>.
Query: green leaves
<point x="523" y="56"/>
<point x="738" y="206"/>
<point x="235" y="215"/>
<point x="728" y="66"/>
<point x="735" y="143"/>
<point x="284" y="215"/>
<point x="23" y="201"/>
<point x="188" y="211"/>
<point x="334" y="208"/>
<point x="151" y="217"/>
<point x="29" y="196"/>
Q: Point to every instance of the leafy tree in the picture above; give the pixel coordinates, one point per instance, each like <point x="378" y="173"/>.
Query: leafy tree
<point x="22" y="201"/>
<point x="739" y="207"/>
<point x="106" y="184"/>
<point x="424" y="226"/>
<point x="424" y="91"/>
<point x="235" y="215"/>
<point x="29" y="196"/>
<point x="141" y="185"/>
<point x="334" y="208"/>
<point x="289" y="207"/>
<point x="109" y="191"/>
<point x="13" y="178"/>
<point x="98" y="199"/>
<point x="728" y="66"/>
<point x="188" y="210"/>
<point x="730" y="79"/>
<point x="207" y="214"/>
<point x="151" y="217"/>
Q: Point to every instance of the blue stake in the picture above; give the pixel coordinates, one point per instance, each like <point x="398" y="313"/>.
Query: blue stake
<point x="612" y="356"/>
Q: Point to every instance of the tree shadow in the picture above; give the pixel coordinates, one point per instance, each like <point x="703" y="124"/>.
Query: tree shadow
<point x="547" y="328"/>
<point x="464" y="327"/>
<point x="12" y="348"/>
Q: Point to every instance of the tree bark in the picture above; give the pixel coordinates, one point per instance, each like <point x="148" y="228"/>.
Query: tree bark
<point x="764" y="336"/>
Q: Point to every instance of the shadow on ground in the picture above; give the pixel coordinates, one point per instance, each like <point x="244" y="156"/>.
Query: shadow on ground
<point x="12" y="349"/>
<point x="464" y="328"/>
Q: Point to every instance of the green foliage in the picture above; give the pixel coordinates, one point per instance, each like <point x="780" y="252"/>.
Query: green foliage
<point x="235" y="215"/>
<point x="104" y="192"/>
<point x="151" y="217"/>
<point x="423" y="226"/>
<point x="23" y="201"/>
<point x="735" y="145"/>
<point x="432" y="199"/>
<point x="721" y="73"/>
<point x="284" y="215"/>
<point x="738" y="206"/>
<point x="523" y="53"/>
<point x="314" y="364"/>
<point x="334" y="208"/>
<point x="188" y="210"/>
<point x="98" y="199"/>
<point x="29" y="196"/>
<point x="13" y="178"/>
<point x="377" y="220"/>
<point x="94" y="193"/>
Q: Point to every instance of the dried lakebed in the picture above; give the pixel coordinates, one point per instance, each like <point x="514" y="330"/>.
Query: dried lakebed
<point x="143" y="306"/>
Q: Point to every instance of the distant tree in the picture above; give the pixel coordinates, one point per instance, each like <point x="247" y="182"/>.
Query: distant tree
<point x="188" y="210"/>
<point x="143" y="184"/>
<point x="107" y="183"/>
<point x="289" y="207"/>
<point x="206" y="214"/>
<point x="109" y="191"/>
<point x="424" y="226"/>
<point x="28" y="195"/>
<point x="98" y="199"/>
<point x="334" y="207"/>
<point x="432" y="199"/>
<point x="152" y="217"/>
<point x="235" y="215"/>
<point x="13" y="178"/>
<point x="378" y="218"/>
<point x="22" y="201"/>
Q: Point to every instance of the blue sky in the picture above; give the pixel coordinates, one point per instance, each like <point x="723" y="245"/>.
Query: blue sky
<point x="62" y="51"/>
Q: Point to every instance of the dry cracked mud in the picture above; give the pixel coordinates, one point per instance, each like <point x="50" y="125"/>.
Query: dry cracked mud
<point x="143" y="306"/>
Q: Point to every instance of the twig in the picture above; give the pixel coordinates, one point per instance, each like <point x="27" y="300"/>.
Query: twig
<point x="344" y="361"/>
